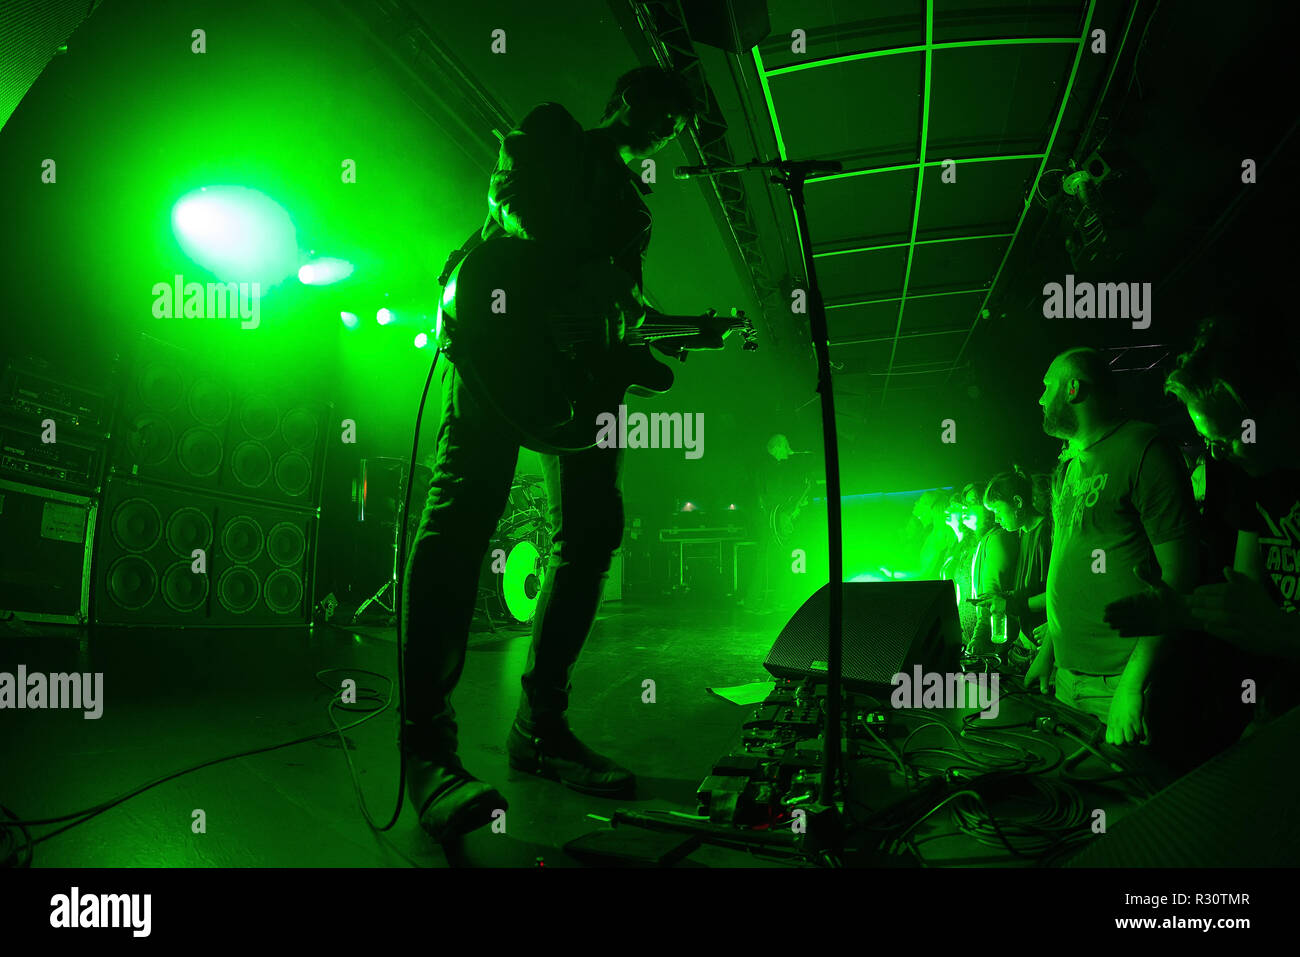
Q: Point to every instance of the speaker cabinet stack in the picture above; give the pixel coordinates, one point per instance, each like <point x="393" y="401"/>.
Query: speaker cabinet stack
<point x="176" y="557"/>
<point x="211" y="507"/>
<point x="186" y="425"/>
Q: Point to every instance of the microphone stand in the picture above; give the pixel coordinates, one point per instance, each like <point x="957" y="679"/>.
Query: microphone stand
<point x="825" y="824"/>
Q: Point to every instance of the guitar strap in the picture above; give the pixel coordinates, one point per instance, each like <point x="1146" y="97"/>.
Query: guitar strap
<point x="456" y="255"/>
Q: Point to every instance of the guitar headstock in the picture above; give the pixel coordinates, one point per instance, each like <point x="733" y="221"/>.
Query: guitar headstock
<point x="748" y="334"/>
<point x="737" y="322"/>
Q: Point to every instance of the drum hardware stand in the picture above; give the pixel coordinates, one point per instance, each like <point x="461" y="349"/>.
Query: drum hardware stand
<point x="386" y="596"/>
<point x="485" y="597"/>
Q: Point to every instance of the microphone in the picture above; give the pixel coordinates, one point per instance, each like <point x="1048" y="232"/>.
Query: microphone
<point x="686" y="172"/>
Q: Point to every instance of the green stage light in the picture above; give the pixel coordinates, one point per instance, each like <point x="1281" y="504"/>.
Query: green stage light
<point x="322" y="272"/>
<point x="237" y="234"/>
<point x="421" y="341"/>
<point x="350" y="319"/>
<point x="384" y="316"/>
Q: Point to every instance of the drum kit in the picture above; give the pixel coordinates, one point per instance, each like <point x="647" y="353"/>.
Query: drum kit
<point x="515" y="568"/>
<point x="511" y="579"/>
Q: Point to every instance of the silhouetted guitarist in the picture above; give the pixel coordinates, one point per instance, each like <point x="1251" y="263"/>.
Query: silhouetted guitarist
<point x="571" y="191"/>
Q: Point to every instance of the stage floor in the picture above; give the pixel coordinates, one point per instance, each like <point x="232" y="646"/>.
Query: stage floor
<point x="175" y="699"/>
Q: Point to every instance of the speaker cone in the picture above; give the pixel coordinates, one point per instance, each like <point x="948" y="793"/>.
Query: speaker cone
<point x="285" y="544"/>
<point x="299" y="429"/>
<point x="160" y="386"/>
<point x="150" y="439"/>
<point x="188" y="529"/>
<point x="251" y="463"/>
<point x="184" y="589"/>
<point x="293" y="473"/>
<point x="137" y="525"/>
<point x="209" y="401"/>
<point x="283" y="591"/>
<point x="132" y="582"/>
<point x="259" y="417"/>
<point x="199" y="452"/>
<point x="242" y="539"/>
<point x="237" y="589"/>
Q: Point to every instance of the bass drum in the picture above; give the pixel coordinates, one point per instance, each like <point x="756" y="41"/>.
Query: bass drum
<point x="513" y="584"/>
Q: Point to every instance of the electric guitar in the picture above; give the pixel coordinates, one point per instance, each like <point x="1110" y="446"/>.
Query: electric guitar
<point x="548" y="355"/>
<point x="787" y="513"/>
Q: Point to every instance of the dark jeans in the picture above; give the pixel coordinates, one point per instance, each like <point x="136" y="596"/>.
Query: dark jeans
<point x="475" y="465"/>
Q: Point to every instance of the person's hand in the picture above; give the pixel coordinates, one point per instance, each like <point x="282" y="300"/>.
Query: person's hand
<point x="600" y="288"/>
<point x="709" y="338"/>
<point x="631" y="311"/>
<point x="995" y="600"/>
<point x="1125" y="722"/>
<point x="1237" y="610"/>
<point x="1155" y="610"/>
<point x="1040" y="669"/>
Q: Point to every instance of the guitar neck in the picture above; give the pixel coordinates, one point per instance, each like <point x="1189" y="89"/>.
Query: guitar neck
<point x="666" y="327"/>
<point x="656" y="326"/>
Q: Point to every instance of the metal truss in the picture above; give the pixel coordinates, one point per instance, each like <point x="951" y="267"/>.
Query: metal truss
<point x="663" y="26"/>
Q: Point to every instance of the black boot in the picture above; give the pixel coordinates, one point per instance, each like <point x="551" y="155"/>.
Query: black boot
<point x="451" y="801"/>
<point x="547" y="748"/>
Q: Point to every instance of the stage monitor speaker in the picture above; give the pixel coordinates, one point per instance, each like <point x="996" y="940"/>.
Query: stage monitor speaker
<point x="889" y="627"/>
<point x="258" y="560"/>
<point x="190" y="423"/>
<point x="736" y="26"/>
<point x="45" y="558"/>
<point x="1239" y="809"/>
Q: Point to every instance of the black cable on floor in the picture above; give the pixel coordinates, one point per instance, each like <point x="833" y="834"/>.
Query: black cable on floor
<point x="80" y="817"/>
<point x="12" y="850"/>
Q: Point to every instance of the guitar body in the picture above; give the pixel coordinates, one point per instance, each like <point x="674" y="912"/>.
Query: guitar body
<point x="541" y="355"/>
<point x="782" y="522"/>
<point x="784" y="516"/>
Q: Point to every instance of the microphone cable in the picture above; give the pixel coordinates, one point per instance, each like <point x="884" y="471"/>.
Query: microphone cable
<point x="401" y="577"/>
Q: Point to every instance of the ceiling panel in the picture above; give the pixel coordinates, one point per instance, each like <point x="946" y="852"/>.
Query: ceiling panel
<point x="986" y="198"/>
<point x="940" y="312"/>
<point x="836" y="27"/>
<point x="955" y="265"/>
<point x="858" y="322"/>
<point x="990" y="90"/>
<point x="861" y="210"/>
<point x="866" y="275"/>
<point x="996" y="99"/>
<point x="862" y="112"/>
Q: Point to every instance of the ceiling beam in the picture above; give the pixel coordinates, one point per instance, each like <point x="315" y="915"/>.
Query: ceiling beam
<point x="919" y="242"/>
<point x="903" y="167"/>
<point x="926" y="48"/>
<point x="1082" y="41"/>
<point x="920" y="183"/>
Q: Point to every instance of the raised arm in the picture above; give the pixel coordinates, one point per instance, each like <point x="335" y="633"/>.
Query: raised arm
<point x="532" y="191"/>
